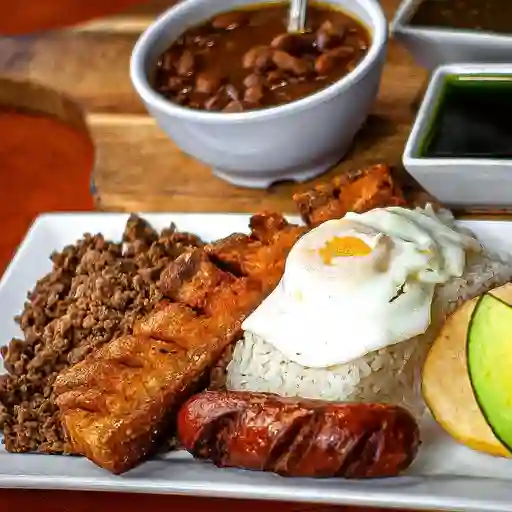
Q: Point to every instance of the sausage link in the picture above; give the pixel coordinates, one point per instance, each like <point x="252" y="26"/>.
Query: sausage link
<point x="295" y="437"/>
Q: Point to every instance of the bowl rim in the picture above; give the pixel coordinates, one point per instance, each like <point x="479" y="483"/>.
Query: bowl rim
<point x="409" y="158"/>
<point x="400" y="25"/>
<point x="151" y="35"/>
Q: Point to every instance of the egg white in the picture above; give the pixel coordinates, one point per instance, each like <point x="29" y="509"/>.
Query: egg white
<point x="331" y="310"/>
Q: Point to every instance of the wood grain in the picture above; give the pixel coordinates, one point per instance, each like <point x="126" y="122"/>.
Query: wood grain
<point x="139" y="168"/>
<point x="89" y="62"/>
<point x="90" y="67"/>
<point x="132" y="149"/>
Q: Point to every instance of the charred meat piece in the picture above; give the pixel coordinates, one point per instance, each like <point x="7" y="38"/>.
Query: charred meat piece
<point x="117" y="404"/>
<point x="264" y="252"/>
<point x="294" y="437"/>
<point x="193" y="279"/>
<point x="359" y="191"/>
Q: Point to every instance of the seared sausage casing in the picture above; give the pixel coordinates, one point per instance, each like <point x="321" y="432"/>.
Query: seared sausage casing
<point x="295" y="437"/>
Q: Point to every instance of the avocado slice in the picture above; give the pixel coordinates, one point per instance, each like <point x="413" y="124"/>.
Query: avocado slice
<point x="489" y="353"/>
<point x="446" y="386"/>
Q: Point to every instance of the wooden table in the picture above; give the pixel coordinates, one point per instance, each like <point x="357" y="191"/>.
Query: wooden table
<point x="138" y="168"/>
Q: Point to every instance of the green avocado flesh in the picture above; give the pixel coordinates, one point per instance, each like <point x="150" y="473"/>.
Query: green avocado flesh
<point x="489" y="353"/>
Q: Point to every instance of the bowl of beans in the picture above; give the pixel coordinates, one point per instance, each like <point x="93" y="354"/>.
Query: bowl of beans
<point x="232" y="88"/>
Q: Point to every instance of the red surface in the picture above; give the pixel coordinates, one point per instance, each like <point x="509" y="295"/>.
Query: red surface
<point x="45" y="166"/>
<point x="26" y="16"/>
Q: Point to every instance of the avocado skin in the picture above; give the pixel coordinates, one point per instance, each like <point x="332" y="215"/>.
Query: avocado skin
<point x="489" y="361"/>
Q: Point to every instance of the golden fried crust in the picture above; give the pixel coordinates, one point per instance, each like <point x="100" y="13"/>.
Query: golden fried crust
<point x="179" y="324"/>
<point x="262" y="258"/>
<point x="358" y="191"/>
<point x="118" y="403"/>
<point x="174" y="323"/>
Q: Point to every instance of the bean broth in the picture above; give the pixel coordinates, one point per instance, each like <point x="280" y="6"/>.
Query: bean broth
<point x="244" y="59"/>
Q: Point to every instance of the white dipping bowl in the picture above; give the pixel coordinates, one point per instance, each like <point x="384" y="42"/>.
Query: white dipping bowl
<point x="457" y="182"/>
<point x="294" y="141"/>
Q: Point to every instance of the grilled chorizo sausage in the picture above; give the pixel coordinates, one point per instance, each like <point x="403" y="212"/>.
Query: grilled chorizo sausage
<point x="295" y="437"/>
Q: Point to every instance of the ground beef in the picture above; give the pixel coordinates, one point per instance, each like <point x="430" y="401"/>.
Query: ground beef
<point x="96" y="290"/>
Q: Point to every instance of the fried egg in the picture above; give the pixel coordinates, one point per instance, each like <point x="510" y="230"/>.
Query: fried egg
<point x="361" y="283"/>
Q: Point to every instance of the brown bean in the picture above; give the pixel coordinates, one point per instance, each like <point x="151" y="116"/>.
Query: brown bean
<point x="258" y="58"/>
<point x="208" y="82"/>
<point x="229" y="20"/>
<point x="254" y="79"/>
<point x="330" y="35"/>
<point x="166" y="63"/>
<point x="234" y="106"/>
<point x="295" y="44"/>
<point x="214" y="102"/>
<point x="206" y="41"/>
<point x="325" y="41"/>
<point x="186" y="62"/>
<point x="254" y="94"/>
<point x="275" y="76"/>
<point x="287" y="62"/>
<point x="232" y="92"/>
<point x="295" y="79"/>
<point x="276" y="79"/>
<point x="175" y="83"/>
<point x="326" y="62"/>
<point x="339" y="29"/>
<point x="342" y="52"/>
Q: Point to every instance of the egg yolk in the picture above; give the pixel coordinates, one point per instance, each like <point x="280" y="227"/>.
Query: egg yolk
<point x="343" y="246"/>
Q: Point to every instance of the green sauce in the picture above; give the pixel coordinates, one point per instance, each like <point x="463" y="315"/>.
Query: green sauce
<point x="472" y="119"/>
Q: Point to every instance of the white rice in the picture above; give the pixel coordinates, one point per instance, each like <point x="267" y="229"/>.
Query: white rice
<point x="387" y="375"/>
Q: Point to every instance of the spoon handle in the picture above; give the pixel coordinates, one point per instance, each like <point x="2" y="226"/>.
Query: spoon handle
<point x="297" y="15"/>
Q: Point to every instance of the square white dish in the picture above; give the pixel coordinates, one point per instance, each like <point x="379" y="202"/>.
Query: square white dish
<point x="446" y="476"/>
<point x="457" y="181"/>
<point x="436" y="46"/>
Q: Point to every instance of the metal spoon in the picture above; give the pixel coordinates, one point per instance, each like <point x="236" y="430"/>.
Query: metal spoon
<point x="297" y="16"/>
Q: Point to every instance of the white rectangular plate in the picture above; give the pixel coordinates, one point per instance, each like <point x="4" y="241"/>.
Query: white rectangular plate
<point x="446" y="476"/>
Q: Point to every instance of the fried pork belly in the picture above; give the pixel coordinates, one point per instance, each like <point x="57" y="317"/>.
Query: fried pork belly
<point x="118" y="404"/>
<point x="359" y="191"/>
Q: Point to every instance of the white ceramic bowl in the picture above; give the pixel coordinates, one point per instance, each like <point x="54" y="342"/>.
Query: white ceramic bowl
<point x="457" y="181"/>
<point x="432" y="47"/>
<point x="295" y="141"/>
